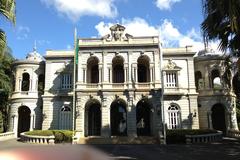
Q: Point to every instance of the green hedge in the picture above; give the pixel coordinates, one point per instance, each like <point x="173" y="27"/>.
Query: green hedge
<point x="178" y="135"/>
<point x="60" y="135"/>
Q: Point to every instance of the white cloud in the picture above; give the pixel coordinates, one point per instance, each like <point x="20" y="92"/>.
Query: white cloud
<point x="74" y="9"/>
<point x="43" y="42"/>
<point x="169" y="34"/>
<point x="69" y="47"/>
<point x="166" y="4"/>
<point x="22" y="32"/>
<point x="135" y="27"/>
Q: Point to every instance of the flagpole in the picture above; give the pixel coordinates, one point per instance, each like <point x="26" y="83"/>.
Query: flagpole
<point x="162" y="95"/>
<point x="74" y="79"/>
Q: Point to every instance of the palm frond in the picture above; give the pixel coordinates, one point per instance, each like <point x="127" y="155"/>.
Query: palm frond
<point x="8" y="9"/>
<point x="2" y="43"/>
<point x="222" y="22"/>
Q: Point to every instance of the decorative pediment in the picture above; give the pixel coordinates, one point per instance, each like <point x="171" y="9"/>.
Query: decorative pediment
<point x="171" y="66"/>
<point x="117" y="34"/>
<point x="66" y="68"/>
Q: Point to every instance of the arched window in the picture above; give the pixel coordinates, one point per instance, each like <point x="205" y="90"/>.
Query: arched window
<point x="65" y="119"/>
<point x="216" y="81"/>
<point x="143" y="69"/>
<point x="25" y="82"/>
<point x="41" y="80"/>
<point x="118" y="70"/>
<point x="174" y="117"/>
<point x="92" y="70"/>
<point x="198" y="80"/>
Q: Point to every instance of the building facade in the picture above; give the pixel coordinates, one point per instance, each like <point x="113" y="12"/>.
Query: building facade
<point x="117" y="85"/>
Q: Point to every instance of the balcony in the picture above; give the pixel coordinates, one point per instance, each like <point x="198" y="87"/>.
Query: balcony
<point x="114" y="86"/>
<point x="173" y="91"/>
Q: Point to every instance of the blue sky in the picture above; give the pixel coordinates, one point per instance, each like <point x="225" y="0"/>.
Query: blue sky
<point x="51" y="22"/>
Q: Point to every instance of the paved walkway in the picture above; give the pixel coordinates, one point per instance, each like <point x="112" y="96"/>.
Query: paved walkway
<point x="228" y="149"/>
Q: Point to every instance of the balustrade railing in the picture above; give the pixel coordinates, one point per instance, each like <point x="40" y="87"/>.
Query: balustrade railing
<point x="6" y="136"/>
<point x="37" y="139"/>
<point x="233" y="134"/>
<point x="204" y="138"/>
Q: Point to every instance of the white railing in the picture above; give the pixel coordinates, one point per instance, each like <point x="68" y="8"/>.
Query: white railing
<point x="204" y="138"/>
<point x="233" y="134"/>
<point x="6" y="136"/>
<point x="37" y="139"/>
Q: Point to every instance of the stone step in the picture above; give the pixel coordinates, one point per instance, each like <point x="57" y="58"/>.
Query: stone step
<point x="118" y="140"/>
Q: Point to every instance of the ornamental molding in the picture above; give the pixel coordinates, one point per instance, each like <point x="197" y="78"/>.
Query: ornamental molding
<point x="171" y="66"/>
<point x="117" y="34"/>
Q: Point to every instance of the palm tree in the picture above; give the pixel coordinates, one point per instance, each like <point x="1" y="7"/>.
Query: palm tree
<point x="7" y="10"/>
<point x="222" y="22"/>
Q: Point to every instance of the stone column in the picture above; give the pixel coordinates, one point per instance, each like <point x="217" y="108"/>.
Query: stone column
<point x="15" y="124"/>
<point x="209" y="113"/>
<point x="129" y="67"/>
<point x="105" y="130"/>
<point x="80" y="121"/>
<point x="31" y="85"/>
<point x="100" y="74"/>
<point x="135" y="74"/>
<point x="131" y="119"/>
<point x="207" y="80"/>
<point x="32" y="122"/>
<point x="105" y="68"/>
<point x="156" y="66"/>
<point x="20" y="84"/>
<point x="151" y="74"/>
<point x="84" y="75"/>
<point x="125" y="73"/>
<point x="110" y="73"/>
<point x="79" y="116"/>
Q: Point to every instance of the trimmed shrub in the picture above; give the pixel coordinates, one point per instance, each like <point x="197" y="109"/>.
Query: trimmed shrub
<point x="40" y="133"/>
<point x="60" y="135"/>
<point x="178" y="135"/>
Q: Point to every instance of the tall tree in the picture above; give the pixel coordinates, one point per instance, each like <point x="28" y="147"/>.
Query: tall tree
<point x="222" y="22"/>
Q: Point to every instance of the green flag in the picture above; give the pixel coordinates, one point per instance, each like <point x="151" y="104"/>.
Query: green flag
<point x="76" y="51"/>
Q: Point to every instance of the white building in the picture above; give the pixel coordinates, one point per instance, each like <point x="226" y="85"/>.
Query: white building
<point x="118" y="89"/>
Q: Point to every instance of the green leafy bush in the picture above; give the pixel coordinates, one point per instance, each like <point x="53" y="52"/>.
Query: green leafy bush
<point x="60" y="135"/>
<point x="40" y="133"/>
<point x="178" y="135"/>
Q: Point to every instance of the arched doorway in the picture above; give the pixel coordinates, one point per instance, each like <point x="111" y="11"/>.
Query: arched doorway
<point x="93" y="118"/>
<point x="118" y="118"/>
<point x="24" y="117"/>
<point x="218" y="118"/>
<point x="143" y="116"/>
